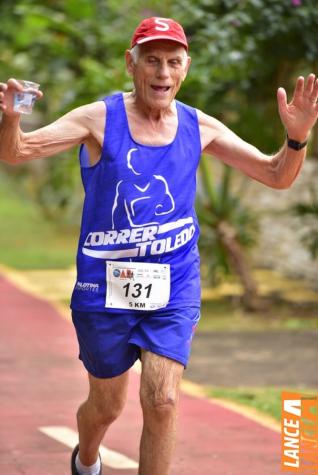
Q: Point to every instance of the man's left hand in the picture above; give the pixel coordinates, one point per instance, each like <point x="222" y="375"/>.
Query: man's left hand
<point x="301" y="114"/>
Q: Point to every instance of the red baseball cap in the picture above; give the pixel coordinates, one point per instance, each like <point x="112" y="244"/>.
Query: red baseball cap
<point x="157" y="28"/>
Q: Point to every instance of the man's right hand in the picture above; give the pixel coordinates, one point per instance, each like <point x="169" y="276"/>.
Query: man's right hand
<point x="7" y="92"/>
<point x="83" y="124"/>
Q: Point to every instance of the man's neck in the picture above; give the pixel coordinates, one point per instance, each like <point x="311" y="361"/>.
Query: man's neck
<point x="154" y="115"/>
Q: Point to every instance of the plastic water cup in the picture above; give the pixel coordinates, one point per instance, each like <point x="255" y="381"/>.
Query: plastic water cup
<point x="24" y="100"/>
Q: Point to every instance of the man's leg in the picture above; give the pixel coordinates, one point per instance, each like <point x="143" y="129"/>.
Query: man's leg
<point x="105" y="402"/>
<point x="159" y="396"/>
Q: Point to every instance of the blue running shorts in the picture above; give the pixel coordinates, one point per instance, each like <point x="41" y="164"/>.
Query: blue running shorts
<point x="110" y="342"/>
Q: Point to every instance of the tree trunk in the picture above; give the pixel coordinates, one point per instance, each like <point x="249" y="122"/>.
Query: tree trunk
<point x="240" y="266"/>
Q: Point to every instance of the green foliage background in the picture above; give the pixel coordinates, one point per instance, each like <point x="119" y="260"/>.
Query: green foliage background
<point x="242" y="50"/>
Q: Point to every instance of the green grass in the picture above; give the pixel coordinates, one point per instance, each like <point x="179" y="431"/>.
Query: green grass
<point x="266" y="400"/>
<point x="225" y="314"/>
<point x="27" y="240"/>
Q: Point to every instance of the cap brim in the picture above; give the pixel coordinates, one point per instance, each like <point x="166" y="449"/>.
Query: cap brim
<point x="162" y="37"/>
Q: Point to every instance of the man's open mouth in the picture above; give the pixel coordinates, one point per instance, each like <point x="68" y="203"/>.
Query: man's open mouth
<point x="160" y="88"/>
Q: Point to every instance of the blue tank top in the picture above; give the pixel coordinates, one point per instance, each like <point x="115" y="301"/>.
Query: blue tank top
<point x="139" y="207"/>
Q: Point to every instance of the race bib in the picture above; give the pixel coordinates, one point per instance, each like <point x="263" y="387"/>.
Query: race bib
<point x="137" y="285"/>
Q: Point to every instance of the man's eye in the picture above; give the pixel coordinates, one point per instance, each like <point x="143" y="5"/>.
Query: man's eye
<point x="175" y="62"/>
<point x="152" y="60"/>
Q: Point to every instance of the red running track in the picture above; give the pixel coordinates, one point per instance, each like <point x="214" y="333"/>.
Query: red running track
<point x="42" y="384"/>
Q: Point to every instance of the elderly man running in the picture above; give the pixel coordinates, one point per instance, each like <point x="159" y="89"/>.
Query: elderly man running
<point x="137" y="293"/>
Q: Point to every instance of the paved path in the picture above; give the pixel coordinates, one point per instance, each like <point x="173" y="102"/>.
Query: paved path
<point x="42" y="383"/>
<point x="281" y="358"/>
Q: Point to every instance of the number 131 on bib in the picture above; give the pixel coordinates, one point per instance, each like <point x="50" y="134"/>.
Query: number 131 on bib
<point x="137" y="285"/>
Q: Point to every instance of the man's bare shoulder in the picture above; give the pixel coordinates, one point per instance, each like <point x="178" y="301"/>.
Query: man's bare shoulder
<point x="93" y="111"/>
<point x="210" y="128"/>
<point x="93" y="115"/>
<point x="87" y="116"/>
<point x="206" y="120"/>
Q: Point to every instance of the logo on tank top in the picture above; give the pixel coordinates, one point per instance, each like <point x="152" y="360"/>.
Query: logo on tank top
<point x="141" y="200"/>
<point x="146" y="195"/>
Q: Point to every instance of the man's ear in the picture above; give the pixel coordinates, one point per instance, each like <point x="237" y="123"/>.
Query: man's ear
<point x="130" y="65"/>
<point x="187" y="67"/>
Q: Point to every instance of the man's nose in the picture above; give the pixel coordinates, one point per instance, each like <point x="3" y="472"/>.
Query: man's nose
<point x="163" y="70"/>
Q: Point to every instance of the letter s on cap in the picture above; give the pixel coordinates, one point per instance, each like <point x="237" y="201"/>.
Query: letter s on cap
<point x="163" y="24"/>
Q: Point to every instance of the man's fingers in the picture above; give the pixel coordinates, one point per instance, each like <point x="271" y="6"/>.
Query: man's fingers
<point x="281" y="98"/>
<point x="299" y="88"/>
<point x="34" y="92"/>
<point x="15" y="84"/>
<point x="309" y="85"/>
<point x="37" y="93"/>
<point x="314" y="94"/>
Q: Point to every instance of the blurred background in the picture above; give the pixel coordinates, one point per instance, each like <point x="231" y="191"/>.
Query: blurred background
<point x="259" y="246"/>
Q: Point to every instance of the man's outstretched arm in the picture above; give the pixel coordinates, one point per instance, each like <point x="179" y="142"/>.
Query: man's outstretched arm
<point x="73" y="128"/>
<point x="279" y="170"/>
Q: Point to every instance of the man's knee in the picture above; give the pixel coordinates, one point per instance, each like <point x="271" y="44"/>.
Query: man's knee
<point x="158" y="404"/>
<point x="107" y="410"/>
<point x="99" y="412"/>
<point x="106" y="399"/>
<point x="159" y="389"/>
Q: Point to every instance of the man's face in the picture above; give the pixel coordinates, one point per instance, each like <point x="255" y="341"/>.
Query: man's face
<point x="159" y="71"/>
